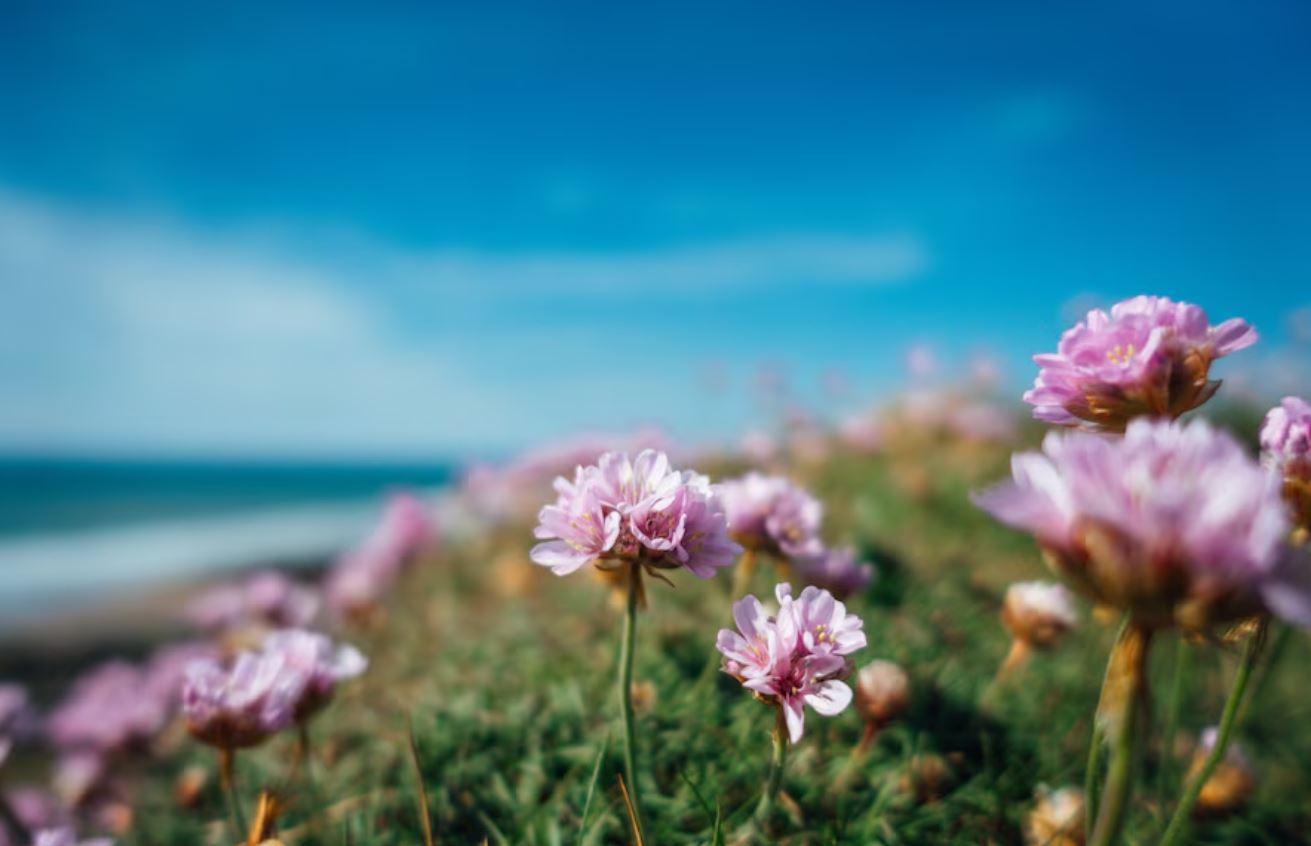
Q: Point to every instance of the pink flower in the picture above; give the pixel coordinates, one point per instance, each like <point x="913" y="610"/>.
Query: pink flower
<point x="362" y="577"/>
<point x="835" y="570"/>
<point x="1286" y="449"/>
<point x="313" y="657"/>
<point x="862" y="432"/>
<point x="1170" y="523"/>
<point x="772" y="514"/>
<point x="108" y="710"/>
<point x="237" y="706"/>
<point x="267" y="598"/>
<point x="1149" y="356"/>
<point x="66" y="837"/>
<point x="796" y="657"/>
<point x="640" y="510"/>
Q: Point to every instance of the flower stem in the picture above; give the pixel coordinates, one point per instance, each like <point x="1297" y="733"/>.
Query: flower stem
<point x="626" y="692"/>
<point x="746" y="568"/>
<point x="1251" y="653"/>
<point x="1182" y="653"/>
<point x="228" y="781"/>
<point x="765" y="810"/>
<point x="1123" y="706"/>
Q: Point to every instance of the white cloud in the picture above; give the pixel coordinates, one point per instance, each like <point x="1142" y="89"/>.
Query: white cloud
<point x="158" y="335"/>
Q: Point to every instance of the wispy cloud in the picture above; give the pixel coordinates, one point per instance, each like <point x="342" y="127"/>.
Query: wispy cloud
<point x="131" y="333"/>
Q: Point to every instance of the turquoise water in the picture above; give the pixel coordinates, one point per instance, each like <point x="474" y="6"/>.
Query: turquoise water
<point x="83" y="529"/>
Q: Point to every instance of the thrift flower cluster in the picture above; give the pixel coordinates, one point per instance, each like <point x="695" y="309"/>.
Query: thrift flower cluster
<point x="361" y="578"/>
<point x="1286" y="449"/>
<point x="241" y="703"/>
<point x="1149" y="356"/>
<point x="622" y="511"/>
<point x="1172" y="522"/>
<point x="796" y="656"/>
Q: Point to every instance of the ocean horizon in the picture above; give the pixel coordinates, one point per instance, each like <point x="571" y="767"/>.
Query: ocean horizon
<point x="75" y="530"/>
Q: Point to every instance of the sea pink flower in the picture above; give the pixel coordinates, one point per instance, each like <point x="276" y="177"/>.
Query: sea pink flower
<point x="1171" y="523"/>
<point x="1149" y="356"/>
<point x="67" y="837"/>
<point x="639" y="510"/>
<point x="362" y="577"/>
<point x="771" y="514"/>
<point x="108" y="710"/>
<point x="267" y="598"/>
<point x="237" y="706"/>
<point x="795" y="657"/>
<point x="1038" y="613"/>
<point x="835" y="570"/>
<point x="1286" y="449"/>
<point x="314" y="657"/>
<point x="862" y="432"/>
<point x="17" y="719"/>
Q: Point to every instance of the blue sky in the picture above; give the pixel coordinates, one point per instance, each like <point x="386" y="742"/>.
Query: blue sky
<point x="330" y="229"/>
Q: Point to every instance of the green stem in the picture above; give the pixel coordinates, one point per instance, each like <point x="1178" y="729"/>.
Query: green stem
<point x="765" y="810"/>
<point x="626" y="692"/>
<point x="228" y="781"/>
<point x="1123" y="706"/>
<point x="1178" y="827"/>
<point x="1091" y="780"/>
<point x="1181" y="660"/>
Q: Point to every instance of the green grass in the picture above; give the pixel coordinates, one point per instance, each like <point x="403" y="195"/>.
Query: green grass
<point x="506" y="675"/>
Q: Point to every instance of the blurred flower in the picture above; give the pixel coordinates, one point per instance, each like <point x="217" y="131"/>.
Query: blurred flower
<point x="835" y="570"/>
<point x="981" y="423"/>
<point x="639" y="511"/>
<point x="241" y="705"/>
<point x="78" y="773"/>
<point x="313" y="657"/>
<point x="1149" y="356"/>
<point x="921" y="361"/>
<point x="759" y="446"/>
<point x="1171" y="523"/>
<point x="1057" y="819"/>
<point x="36" y="809"/>
<point x="1286" y="449"/>
<point x="862" y="432"/>
<point x="107" y="710"/>
<point x="66" y="837"/>
<point x="267" y="598"/>
<point x="362" y="577"/>
<point x="796" y="657"/>
<point x="1230" y="783"/>
<point x="1038" y="613"/>
<point x="771" y="514"/>
<point x="16" y="717"/>
<point x="882" y="692"/>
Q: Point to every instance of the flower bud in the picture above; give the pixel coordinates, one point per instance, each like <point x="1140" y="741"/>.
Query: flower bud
<point x="882" y="692"/>
<point x="1056" y="819"/>
<point x="1231" y="782"/>
<point x="1038" y="613"/>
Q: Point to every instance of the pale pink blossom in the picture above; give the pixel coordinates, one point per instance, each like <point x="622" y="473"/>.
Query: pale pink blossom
<point x="772" y="514"/>
<point x="322" y="665"/>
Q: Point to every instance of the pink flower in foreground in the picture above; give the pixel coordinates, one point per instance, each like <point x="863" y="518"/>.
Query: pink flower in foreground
<point x="835" y="570"/>
<point x="771" y="514"/>
<point x="322" y="665"/>
<point x="1149" y="356"/>
<point x="795" y="657"/>
<point x="1286" y="449"/>
<point x="634" y="511"/>
<point x="1170" y="523"/>
<point x="242" y="705"/>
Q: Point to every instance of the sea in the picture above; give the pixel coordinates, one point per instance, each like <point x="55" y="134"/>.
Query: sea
<point x="76" y="530"/>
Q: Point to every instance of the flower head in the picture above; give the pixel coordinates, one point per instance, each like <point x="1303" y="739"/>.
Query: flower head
<point x="107" y="710"/>
<point x="641" y="511"/>
<point x="1149" y="356"/>
<point x="359" y="580"/>
<point x="237" y="706"/>
<point x="322" y="665"/>
<point x="771" y="513"/>
<point x="1286" y="448"/>
<point x="266" y="598"/>
<point x="795" y="657"/>
<point x="1038" y="613"/>
<point x="835" y="570"/>
<point x="882" y="692"/>
<point x="1171" y="523"/>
